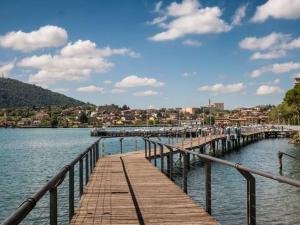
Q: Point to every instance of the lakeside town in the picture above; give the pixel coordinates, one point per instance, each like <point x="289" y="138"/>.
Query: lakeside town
<point x="90" y="115"/>
<point x="113" y="115"/>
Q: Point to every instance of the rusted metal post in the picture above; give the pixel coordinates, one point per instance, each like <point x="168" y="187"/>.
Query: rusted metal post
<point x="71" y="192"/>
<point x="53" y="206"/>
<point x="208" y="186"/>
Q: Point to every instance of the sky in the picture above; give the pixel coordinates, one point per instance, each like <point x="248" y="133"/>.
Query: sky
<point x="154" y="53"/>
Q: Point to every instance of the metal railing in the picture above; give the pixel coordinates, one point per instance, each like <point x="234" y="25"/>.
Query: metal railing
<point x="88" y="157"/>
<point x="246" y="172"/>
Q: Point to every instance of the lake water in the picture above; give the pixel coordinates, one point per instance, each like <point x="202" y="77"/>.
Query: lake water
<point x="30" y="157"/>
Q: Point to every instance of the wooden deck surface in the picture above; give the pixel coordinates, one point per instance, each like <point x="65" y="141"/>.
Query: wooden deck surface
<point x="108" y="199"/>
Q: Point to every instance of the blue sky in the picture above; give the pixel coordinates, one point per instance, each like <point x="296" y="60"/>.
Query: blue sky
<point x="154" y="53"/>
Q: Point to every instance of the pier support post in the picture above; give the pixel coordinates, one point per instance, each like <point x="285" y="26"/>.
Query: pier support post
<point x="188" y="162"/>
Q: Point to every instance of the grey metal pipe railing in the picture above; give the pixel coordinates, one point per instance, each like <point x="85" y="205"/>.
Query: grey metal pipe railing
<point x="51" y="186"/>
<point x="245" y="171"/>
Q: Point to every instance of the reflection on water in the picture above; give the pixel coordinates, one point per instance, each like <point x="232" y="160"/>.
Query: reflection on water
<point x="29" y="157"/>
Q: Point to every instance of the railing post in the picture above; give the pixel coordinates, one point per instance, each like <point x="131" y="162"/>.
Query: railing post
<point x="161" y="157"/>
<point x="155" y="155"/>
<point x="170" y="162"/>
<point x="53" y="206"/>
<point x="208" y="186"/>
<point x="146" y="151"/>
<point x="121" y="145"/>
<point x="71" y="192"/>
<point x="184" y="172"/>
<point x="95" y="155"/>
<point x="86" y="168"/>
<point x="251" y="197"/>
<point x="97" y="150"/>
<point x="91" y="160"/>
<point x="149" y="149"/>
<point x="81" y="176"/>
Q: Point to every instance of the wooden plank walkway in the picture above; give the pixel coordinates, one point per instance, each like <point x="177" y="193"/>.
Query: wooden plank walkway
<point x="109" y="197"/>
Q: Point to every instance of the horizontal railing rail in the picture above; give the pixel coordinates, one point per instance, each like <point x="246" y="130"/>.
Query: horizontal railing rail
<point x="90" y="156"/>
<point x="245" y="171"/>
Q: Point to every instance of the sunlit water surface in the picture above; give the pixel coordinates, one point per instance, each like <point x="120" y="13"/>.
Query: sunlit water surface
<point x="30" y="157"/>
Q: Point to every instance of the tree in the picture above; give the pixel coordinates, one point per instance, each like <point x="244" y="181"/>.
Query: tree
<point x="292" y="98"/>
<point x="54" y="121"/>
<point x="83" y="118"/>
<point x="125" y="107"/>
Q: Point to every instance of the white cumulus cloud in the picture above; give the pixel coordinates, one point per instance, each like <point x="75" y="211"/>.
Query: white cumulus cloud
<point x="190" y="42"/>
<point x="90" y="89"/>
<point x="136" y="81"/>
<point x="44" y="37"/>
<point x="277" y="9"/>
<point x="189" y="17"/>
<point x="6" y="68"/>
<point x="222" y="88"/>
<point x="75" y="62"/>
<point x="268" y="90"/>
<point x="239" y="14"/>
<point x="268" y="55"/>
<point x="271" y="46"/>
<point x="276" y="68"/>
<point x="146" y="93"/>
<point x="264" y="43"/>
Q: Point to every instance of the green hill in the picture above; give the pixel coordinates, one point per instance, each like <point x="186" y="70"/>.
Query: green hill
<point x="14" y="93"/>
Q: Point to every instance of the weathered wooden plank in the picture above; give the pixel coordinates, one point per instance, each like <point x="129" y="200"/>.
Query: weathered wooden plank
<point x="107" y="199"/>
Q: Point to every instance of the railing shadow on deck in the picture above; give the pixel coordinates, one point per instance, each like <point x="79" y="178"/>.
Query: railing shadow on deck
<point x="246" y="172"/>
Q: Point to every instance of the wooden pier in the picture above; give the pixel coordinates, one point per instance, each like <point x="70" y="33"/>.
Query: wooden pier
<point x="128" y="189"/>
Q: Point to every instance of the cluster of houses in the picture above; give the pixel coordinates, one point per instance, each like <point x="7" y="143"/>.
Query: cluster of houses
<point x="102" y="116"/>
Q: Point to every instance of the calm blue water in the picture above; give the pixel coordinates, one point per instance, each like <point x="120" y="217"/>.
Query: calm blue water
<point x="29" y="157"/>
<point x="277" y="203"/>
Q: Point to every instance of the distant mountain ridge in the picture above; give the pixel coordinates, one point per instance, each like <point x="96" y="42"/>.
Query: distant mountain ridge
<point x="14" y="93"/>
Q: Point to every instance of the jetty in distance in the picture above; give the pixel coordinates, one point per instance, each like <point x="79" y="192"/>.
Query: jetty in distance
<point x="138" y="188"/>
